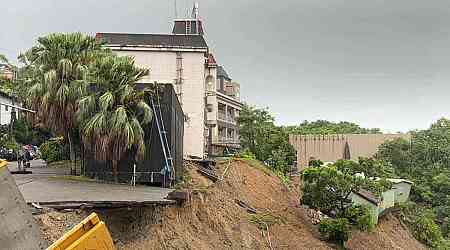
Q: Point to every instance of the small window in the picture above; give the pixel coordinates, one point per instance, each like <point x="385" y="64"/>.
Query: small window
<point x="6" y="108"/>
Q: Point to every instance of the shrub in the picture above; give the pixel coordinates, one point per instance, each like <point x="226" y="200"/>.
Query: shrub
<point x="421" y="223"/>
<point x="54" y="150"/>
<point x="361" y="217"/>
<point x="246" y="154"/>
<point x="335" y="230"/>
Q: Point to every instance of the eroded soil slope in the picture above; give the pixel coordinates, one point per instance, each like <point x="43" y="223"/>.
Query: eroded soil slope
<point x="390" y="234"/>
<point x="213" y="219"/>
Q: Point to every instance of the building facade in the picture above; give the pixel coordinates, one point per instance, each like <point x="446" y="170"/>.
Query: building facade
<point x="6" y="72"/>
<point x="7" y="109"/>
<point x="329" y="148"/>
<point x="210" y="102"/>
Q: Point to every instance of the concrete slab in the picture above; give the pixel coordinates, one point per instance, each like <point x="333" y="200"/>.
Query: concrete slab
<point x="18" y="228"/>
<point x="47" y="186"/>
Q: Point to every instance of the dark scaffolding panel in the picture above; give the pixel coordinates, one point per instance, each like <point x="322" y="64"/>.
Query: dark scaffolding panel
<point x="150" y="169"/>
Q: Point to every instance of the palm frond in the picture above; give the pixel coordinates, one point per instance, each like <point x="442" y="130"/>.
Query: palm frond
<point x="106" y="100"/>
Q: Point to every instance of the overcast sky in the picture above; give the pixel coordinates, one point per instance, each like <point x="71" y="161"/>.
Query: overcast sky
<point x="378" y="63"/>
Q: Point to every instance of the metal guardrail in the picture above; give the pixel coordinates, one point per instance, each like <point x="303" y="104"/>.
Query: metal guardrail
<point x="227" y="140"/>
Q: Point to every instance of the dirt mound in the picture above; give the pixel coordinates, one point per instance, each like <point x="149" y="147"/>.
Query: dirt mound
<point x="54" y="224"/>
<point x="390" y="234"/>
<point x="214" y="220"/>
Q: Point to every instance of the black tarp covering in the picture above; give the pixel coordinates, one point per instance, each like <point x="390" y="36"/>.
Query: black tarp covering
<point x="150" y="170"/>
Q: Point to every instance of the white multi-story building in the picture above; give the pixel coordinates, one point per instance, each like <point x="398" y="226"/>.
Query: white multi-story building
<point x="7" y="109"/>
<point x="209" y="99"/>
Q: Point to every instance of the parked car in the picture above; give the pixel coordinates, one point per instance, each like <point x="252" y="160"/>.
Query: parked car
<point x="8" y="154"/>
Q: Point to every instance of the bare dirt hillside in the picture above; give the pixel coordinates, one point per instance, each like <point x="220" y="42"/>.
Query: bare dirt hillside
<point x="390" y="234"/>
<point x="214" y="220"/>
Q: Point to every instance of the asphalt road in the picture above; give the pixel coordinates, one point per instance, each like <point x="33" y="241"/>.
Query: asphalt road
<point x="45" y="185"/>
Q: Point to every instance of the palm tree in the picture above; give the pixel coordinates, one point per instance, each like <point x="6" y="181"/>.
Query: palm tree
<point x="113" y="114"/>
<point x="60" y="69"/>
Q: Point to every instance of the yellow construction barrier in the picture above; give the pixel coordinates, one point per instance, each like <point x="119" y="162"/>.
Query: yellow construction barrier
<point x="91" y="233"/>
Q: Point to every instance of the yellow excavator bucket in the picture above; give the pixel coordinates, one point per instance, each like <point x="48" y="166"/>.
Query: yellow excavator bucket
<point x="91" y="233"/>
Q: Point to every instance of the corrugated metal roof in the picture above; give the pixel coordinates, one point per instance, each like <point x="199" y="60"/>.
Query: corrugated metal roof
<point x="369" y="196"/>
<point x="157" y="40"/>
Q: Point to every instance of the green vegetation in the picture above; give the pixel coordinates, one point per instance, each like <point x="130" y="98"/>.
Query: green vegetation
<point x="329" y="189"/>
<point x="335" y="230"/>
<point x="59" y="73"/>
<point x="81" y="90"/>
<point x="24" y="133"/>
<point x="421" y="222"/>
<point x="322" y="127"/>
<point x="360" y="216"/>
<point x="425" y="160"/>
<point x="266" y="141"/>
<point x="112" y="116"/>
<point x="54" y="150"/>
<point x="270" y="143"/>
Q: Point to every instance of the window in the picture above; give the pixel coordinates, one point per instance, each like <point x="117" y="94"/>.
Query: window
<point x="6" y="108"/>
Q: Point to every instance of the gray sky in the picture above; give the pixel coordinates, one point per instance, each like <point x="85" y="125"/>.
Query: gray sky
<point x="377" y="63"/>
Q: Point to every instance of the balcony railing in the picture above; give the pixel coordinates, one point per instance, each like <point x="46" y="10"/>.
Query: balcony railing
<point x="222" y="139"/>
<point x="223" y="117"/>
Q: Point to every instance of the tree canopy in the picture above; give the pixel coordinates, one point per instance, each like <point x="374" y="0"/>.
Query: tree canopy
<point x="425" y="160"/>
<point x="112" y="113"/>
<point x="59" y="69"/>
<point x="268" y="142"/>
<point x="323" y="127"/>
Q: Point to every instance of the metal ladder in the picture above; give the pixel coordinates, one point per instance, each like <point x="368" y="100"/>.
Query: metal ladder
<point x="169" y="168"/>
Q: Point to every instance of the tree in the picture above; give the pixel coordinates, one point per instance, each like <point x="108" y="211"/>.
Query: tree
<point x="329" y="188"/>
<point x="268" y="142"/>
<point x="425" y="160"/>
<point x="59" y="67"/>
<point x="113" y="113"/>
<point x="325" y="127"/>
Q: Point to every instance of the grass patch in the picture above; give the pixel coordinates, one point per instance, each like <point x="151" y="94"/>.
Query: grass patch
<point x="73" y="178"/>
<point x="264" y="220"/>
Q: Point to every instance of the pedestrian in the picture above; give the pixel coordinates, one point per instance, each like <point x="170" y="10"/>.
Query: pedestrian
<point x="20" y="160"/>
<point x="27" y="157"/>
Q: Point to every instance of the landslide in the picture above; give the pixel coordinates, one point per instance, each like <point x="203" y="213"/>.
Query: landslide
<point x="212" y="219"/>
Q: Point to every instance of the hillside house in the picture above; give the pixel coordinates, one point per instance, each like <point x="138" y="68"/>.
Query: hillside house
<point x="209" y="99"/>
<point x="399" y="193"/>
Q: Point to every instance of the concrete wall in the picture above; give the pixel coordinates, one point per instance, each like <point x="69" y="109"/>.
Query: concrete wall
<point x="402" y="191"/>
<point x="18" y="229"/>
<point x="387" y="200"/>
<point x="163" y="69"/>
<point x="331" y="147"/>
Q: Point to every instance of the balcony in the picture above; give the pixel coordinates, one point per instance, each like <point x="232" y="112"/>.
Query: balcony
<point x="227" y="140"/>
<point x="221" y="116"/>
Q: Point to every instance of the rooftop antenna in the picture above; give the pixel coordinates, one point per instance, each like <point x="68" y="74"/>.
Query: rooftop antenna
<point x="195" y="11"/>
